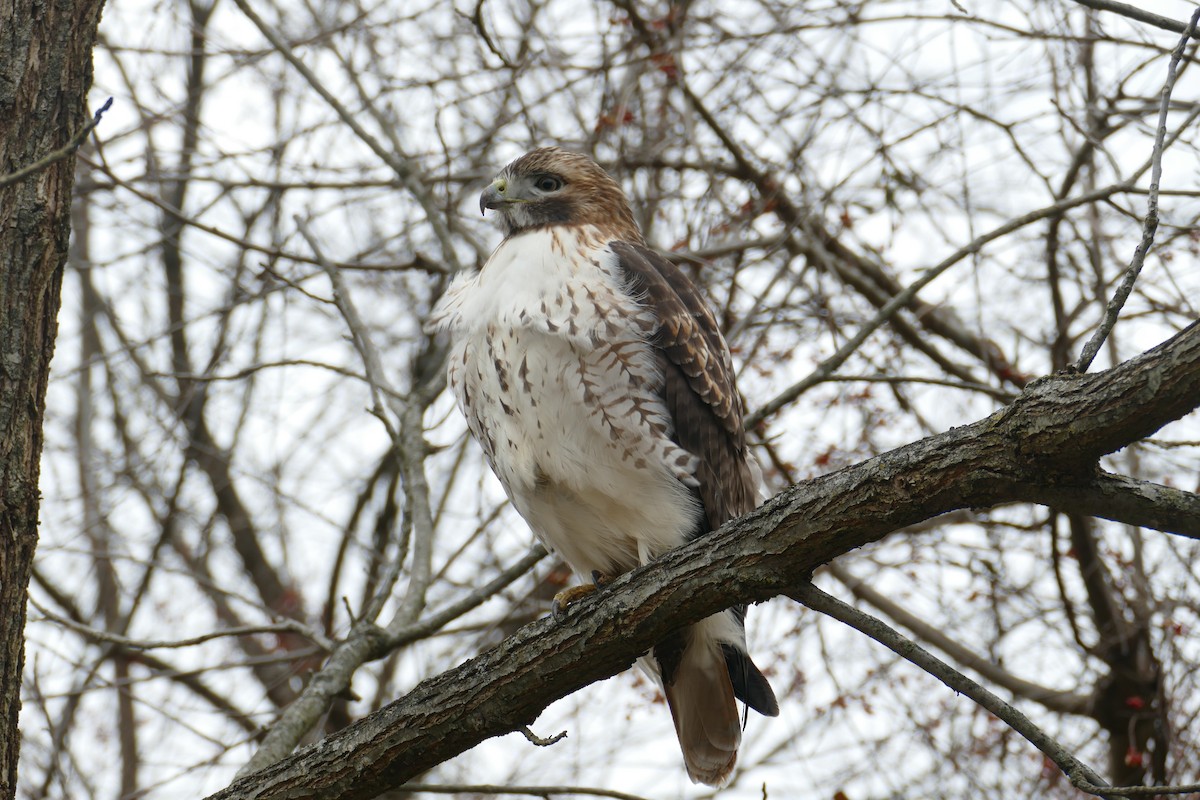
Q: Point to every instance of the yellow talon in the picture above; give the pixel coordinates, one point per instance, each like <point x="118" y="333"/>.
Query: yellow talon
<point x="573" y="594"/>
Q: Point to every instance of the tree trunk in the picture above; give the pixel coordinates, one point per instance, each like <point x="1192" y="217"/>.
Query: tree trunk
<point x="45" y="73"/>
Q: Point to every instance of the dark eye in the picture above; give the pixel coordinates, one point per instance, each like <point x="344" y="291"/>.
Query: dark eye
<point x="548" y="183"/>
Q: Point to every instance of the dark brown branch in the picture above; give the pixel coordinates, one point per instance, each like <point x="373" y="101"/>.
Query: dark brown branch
<point x="1052" y="435"/>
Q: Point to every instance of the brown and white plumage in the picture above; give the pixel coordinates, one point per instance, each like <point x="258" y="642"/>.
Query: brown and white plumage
<point x="599" y="385"/>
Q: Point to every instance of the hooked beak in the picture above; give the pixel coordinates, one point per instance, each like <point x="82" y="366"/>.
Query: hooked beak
<point x="493" y="196"/>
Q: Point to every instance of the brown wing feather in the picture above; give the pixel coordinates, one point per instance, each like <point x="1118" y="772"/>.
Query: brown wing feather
<point x="698" y="384"/>
<point x="702" y="400"/>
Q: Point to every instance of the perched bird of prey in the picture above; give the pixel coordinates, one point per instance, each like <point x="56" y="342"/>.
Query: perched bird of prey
<point x="593" y="374"/>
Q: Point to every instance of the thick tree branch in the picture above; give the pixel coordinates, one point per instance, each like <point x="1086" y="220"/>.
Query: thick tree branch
<point x="45" y="75"/>
<point x="1121" y="499"/>
<point x="1053" y="434"/>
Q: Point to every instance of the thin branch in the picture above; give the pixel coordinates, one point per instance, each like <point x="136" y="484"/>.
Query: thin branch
<point x="1150" y="226"/>
<point x="1060" y="701"/>
<point x="1134" y="13"/>
<point x="537" y="791"/>
<point x="866" y="276"/>
<point x="59" y="154"/>
<point x="827" y="367"/>
<point x="419" y="262"/>
<point x="480" y="28"/>
<point x="404" y="168"/>
<point x="992" y="391"/>
<point x="246" y="372"/>
<point x="287" y="626"/>
<point x="435" y="621"/>
<point x="1080" y="774"/>
<point x="372" y="360"/>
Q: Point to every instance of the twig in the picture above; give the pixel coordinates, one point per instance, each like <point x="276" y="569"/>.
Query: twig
<point x="287" y="626"/>
<point x="872" y="281"/>
<point x="420" y="263"/>
<point x="372" y="362"/>
<point x="1081" y="775"/>
<point x="476" y="19"/>
<point x="400" y="635"/>
<point x="1126" y="10"/>
<point x="404" y="167"/>
<point x="59" y="154"/>
<point x="484" y="790"/>
<point x="998" y="394"/>
<point x="539" y="741"/>
<point x="1059" y="701"/>
<point x="826" y="368"/>
<point x="1150" y="226"/>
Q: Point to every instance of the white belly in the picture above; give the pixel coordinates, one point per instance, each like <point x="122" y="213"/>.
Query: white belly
<point x="588" y="478"/>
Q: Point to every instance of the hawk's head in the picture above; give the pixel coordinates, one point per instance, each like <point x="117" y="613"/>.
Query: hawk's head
<point x="552" y="186"/>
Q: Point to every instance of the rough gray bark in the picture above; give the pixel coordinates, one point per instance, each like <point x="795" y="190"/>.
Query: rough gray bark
<point x="1043" y="448"/>
<point x="45" y="73"/>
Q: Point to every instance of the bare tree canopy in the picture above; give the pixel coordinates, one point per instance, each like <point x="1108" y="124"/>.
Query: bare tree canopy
<point x="953" y="248"/>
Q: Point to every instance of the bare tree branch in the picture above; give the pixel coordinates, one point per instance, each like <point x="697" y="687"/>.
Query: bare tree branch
<point x="1053" y="433"/>
<point x="1060" y="701"/>
<point x="1150" y="225"/>
<point x="405" y="168"/>
<point x="128" y="643"/>
<point x="1135" y="13"/>
<point x="57" y="155"/>
<point x="909" y="293"/>
<point x="1122" y="499"/>
<point x="1080" y="774"/>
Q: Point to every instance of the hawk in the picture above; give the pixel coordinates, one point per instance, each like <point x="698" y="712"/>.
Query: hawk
<point x="594" y="376"/>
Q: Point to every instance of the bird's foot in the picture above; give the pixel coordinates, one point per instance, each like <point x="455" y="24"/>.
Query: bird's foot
<point x="573" y="594"/>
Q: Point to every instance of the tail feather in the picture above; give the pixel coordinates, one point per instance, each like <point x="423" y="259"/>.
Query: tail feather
<point x="705" y="714"/>
<point x="749" y="684"/>
<point x="704" y="670"/>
